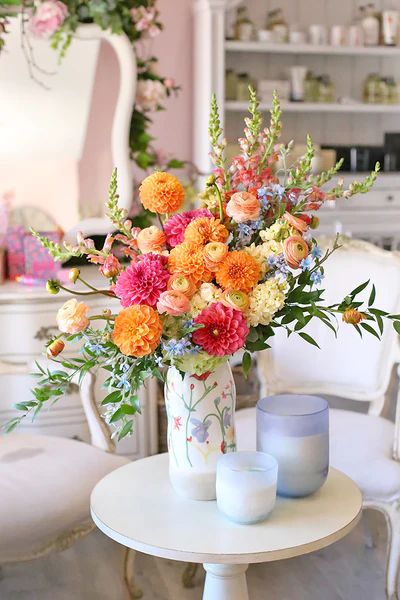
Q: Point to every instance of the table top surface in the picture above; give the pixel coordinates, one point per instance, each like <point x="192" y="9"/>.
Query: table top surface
<point x="137" y="507"/>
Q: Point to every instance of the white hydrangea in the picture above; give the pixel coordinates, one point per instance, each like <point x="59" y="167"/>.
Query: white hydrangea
<point x="279" y="231"/>
<point x="261" y="252"/>
<point x="265" y="300"/>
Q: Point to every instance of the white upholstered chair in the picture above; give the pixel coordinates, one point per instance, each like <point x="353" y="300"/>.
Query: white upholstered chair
<point x="46" y="483"/>
<point x="365" y="446"/>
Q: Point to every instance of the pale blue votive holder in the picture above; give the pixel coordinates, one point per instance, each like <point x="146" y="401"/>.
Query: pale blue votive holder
<point x="246" y="486"/>
<point x="295" y="430"/>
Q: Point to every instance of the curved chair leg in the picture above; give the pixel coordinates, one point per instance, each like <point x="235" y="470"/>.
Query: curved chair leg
<point x="392" y="515"/>
<point x="189" y="574"/>
<point x="129" y="574"/>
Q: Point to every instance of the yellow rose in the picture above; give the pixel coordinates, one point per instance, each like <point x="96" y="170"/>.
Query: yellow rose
<point x="71" y="318"/>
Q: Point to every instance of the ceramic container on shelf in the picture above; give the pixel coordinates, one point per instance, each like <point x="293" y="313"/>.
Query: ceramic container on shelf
<point x="246" y="486"/>
<point x="200" y="413"/>
<point x="295" y="430"/>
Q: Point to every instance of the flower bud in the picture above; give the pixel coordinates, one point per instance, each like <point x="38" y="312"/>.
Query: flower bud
<point x="55" y="348"/>
<point x="210" y="180"/>
<point x="111" y="266"/>
<point x="352" y="316"/>
<point x="73" y="275"/>
<point x="314" y="222"/>
<point x="53" y="286"/>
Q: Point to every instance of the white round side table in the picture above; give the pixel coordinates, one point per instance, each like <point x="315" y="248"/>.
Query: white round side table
<point x="137" y="507"/>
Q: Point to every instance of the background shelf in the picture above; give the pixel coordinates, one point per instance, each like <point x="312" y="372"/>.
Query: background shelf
<point x="268" y="48"/>
<point x="316" y="107"/>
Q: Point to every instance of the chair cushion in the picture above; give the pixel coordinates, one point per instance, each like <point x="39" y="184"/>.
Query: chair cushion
<point x="360" y="446"/>
<point x="45" y="486"/>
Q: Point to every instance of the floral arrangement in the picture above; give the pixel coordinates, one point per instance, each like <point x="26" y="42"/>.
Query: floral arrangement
<point x="204" y="284"/>
<point x="57" y="20"/>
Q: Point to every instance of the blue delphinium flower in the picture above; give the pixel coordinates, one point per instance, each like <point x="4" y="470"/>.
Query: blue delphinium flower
<point x="316" y="252"/>
<point x="159" y="361"/>
<point x="278" y="190"/>
<point x="278" y="262"/>
<point x="177" y="347"/>
<point x="95" y="348"/>
<point x="317" y="276"/>
<point x="123" y="382"/>
<point x="306" y="263"/>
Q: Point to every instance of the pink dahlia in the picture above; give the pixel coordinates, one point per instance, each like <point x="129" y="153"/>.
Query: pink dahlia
<point x="143" y="281"/>
<point x="224" y="332"/>
<point x="175" y="227"/>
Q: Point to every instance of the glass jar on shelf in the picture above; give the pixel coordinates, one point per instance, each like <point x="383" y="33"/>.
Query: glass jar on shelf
<point x="277" y="23"/>
<point x="371" y="89"/>
<point x="243" y="82"/>
<point x="393" y="90"/>
<point x="325" y="89"/>
<point x="311" y="87"/>
<point x="383" y="95"/>
<point x="243" y="25"/>
<point x="231" y="84"/>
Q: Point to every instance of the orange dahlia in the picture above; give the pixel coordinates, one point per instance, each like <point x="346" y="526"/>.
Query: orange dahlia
<point x="238" y="271"/>
<point x="161" y="193"/>
<point x="137" y="330"/>
<point x="188" y="259"/>
<point x="205" y="230"/>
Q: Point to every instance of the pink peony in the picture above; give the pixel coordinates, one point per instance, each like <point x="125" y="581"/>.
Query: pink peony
<point x="48" y="18"/>
<point x="143" y="281"/>
<point x="224" y="332"/>
<point x="173" y="303"/>
<point x="176" y="225"/>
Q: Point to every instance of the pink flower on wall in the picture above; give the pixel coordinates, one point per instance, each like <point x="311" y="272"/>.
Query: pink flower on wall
<point x="149" y="95"/>
<point x="48" y="18"/>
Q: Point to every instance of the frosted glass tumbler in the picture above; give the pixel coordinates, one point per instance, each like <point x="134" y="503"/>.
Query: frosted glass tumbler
<point x="295" y="429"/>
<point x="246" y="486"/>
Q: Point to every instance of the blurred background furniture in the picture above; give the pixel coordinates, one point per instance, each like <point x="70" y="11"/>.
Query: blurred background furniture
<point x="364" y="446"/>
<point x="46" y="483"/>
<point x="27" y="321"/>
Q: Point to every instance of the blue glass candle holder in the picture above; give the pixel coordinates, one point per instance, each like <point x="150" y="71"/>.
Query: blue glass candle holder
<point x="295" y="429"/>
<point x="246" y="486"/>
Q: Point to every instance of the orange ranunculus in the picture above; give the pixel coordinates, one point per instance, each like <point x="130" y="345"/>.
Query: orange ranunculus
<point x="204" y="230"/>
<point x="71" y="317"/>
<point x="235" y="299"/>
<point x="214" y="254"/>
<point x="161" y="193"/>
<point x="151" y="239"/>
<point x="238" y="271"/>
<point x="173" y="303"/>
<point x="182" y="283"/>
<point x="243" y="206"/>
<point x="137" y="330"/>
<point x="352" y="316"/>
<point x="188" y="259"/>
<point x="298" y="224"/>
<point x="294" y="250"/>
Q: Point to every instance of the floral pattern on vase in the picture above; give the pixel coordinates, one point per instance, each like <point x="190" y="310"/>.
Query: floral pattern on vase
<point x="200" y="411"/>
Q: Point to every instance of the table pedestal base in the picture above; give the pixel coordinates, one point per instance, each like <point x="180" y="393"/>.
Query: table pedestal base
<point x="225" y="582"/>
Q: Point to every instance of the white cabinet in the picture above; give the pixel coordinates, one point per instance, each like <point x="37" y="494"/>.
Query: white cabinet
<point x="27" y="320"/>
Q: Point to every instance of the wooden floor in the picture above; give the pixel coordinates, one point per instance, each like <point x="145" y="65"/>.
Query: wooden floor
<point x="92" y="570"/>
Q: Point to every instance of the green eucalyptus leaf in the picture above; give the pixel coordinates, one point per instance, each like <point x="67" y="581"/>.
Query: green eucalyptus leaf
<point x="308" y="338"/>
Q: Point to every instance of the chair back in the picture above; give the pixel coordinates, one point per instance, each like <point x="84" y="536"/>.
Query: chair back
<point x="346" y="366"/>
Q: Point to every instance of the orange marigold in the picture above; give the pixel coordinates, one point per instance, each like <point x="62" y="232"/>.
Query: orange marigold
<point x="188" y="259"/>
<point x="238" y="271"/>
<point x="204" y="230"/>
<point x="137" y="330"/>
<point x="161" y="193"/>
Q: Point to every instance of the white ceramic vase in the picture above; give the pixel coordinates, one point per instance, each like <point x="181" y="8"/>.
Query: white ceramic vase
<point x="200" y="412"/>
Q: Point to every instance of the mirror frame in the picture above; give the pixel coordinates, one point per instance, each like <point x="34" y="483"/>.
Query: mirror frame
<point x="120" y="127"/>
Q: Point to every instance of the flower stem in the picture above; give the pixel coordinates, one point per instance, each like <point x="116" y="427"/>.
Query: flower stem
<point x="221" y="211"/>
<point x="75" y="293"/>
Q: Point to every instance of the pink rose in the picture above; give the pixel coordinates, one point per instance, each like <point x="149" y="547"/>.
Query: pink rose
<point x="48" y="18"/>
<point x="149" y="94"/>
<point x="71" y="318"/>
<point x="294" y="250"/>
<point x="242" y="207"/>
<point x="295" y="222"/>
<point x="173" y="303"/>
